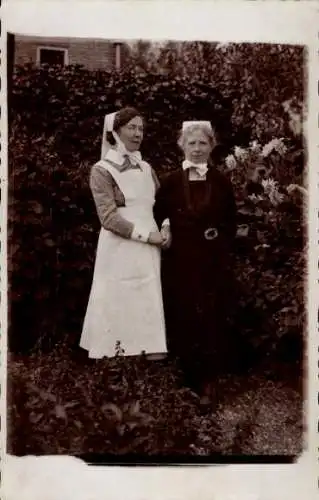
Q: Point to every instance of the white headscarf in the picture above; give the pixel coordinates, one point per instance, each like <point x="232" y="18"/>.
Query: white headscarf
<point x="108" y="127"/>
<point x="134" y="156"/>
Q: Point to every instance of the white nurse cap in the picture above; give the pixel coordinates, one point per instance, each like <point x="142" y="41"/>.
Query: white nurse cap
<point x="188" y="124"/>
<point x="108" y="127"/>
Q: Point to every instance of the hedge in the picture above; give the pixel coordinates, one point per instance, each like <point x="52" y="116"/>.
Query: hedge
<point x="55" y="136"/>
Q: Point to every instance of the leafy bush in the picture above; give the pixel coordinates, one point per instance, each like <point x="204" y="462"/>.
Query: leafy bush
<point x="252" y="93"/>
<point x="130" y="408"/>
<point x="270" y="254"/>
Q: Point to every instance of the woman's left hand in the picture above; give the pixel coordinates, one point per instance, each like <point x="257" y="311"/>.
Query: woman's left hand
<point x="167" y="237"/>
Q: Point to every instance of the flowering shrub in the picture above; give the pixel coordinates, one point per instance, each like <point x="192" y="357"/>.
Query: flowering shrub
<point x="54" y="139"/>
<point x="261" y="163"/>
<point x="270" y="210"/>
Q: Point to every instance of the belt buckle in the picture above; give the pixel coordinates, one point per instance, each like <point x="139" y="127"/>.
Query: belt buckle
<point x="211" y="233"/>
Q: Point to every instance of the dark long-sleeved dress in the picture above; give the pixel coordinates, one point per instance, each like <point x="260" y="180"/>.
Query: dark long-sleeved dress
<point x="197" y="272"/>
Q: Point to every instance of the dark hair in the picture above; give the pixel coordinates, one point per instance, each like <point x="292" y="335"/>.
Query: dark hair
<point x="122" y="117"/>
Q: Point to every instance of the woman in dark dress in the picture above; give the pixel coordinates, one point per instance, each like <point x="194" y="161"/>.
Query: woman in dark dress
<point x="199" y="202"/>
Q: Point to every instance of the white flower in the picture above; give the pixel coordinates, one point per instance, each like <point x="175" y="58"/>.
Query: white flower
<point x="294" y="187"/>
<point x="267" y="149"/>
<point x="286" y="105"/>
<point x="276" y="198"/>
<point x="255" y="146"/>
<point x="231" y="162"/>
<point x="254" y="198"/>
<point x="241" y="154"/>
<point x="269" y="185"/>
<point x="274" y="145"/>
<point x="281" y="148"/>
<point x="295" y="124"/>
<point x="291" y="188"/>
<point x="271" y="189"/>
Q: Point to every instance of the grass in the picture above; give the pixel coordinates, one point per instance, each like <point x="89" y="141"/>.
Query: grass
<point x="62" y="403"/>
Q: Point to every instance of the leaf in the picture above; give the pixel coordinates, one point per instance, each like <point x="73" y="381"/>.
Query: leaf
<point x="246" y="211"/>
<point x="145" y="418"/>
<point x="135" y="408"/>
<point x="259" y="212"/>
<point x="112" y="410"/>
<point x="33" y="402"/>
<point x="286" y="310"/>
<point x="120" y="429"/>
<point x="131" y="425"/>
<point x="36" y="418"/>
<point x="126" y="407"/>
<point x="60" y="412"/>
<point x="36" y="207"/>
<point x="49" y="243"/>
<point x="243" y="230"/>
<point x="126" y="385"/>
<point x="45" y="395"/>
<point x="71" y="404"/>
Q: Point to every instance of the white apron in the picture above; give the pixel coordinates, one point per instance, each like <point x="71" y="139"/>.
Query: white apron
<point x="125" y="303"/>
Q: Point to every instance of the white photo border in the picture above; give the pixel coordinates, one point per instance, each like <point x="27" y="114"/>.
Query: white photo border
<point x="292" y="22"/>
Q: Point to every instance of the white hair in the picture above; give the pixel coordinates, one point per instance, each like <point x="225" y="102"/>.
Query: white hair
<point x="208" y="131"/>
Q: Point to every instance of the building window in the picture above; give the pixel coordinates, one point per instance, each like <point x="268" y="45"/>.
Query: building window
<point x="54" y="56"/>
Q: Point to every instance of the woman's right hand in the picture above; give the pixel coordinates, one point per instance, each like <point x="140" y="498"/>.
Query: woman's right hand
<point x="155" y="238"/>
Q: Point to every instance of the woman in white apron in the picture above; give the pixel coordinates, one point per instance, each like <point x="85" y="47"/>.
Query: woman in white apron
<point x="125" y="309"/>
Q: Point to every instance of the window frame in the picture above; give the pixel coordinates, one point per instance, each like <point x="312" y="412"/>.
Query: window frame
<point x="118" y="54"/>
<point x="52" y="47"/>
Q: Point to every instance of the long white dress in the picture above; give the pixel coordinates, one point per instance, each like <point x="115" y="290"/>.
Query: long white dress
<point x="125" y="304"/>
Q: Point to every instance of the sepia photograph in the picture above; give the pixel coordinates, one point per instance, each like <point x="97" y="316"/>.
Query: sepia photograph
<point x="156" y="250"/>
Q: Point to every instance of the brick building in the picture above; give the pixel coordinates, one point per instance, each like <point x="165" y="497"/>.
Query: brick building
<point x="93" y="54"/>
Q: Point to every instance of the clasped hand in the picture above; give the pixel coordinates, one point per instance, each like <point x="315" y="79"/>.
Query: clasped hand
<point x="161" y="238"/>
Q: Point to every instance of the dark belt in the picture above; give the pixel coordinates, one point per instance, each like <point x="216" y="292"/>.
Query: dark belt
<point x="208" y="234"/>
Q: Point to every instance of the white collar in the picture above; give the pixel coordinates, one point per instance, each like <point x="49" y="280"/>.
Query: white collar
<point x="201" y="168"/>
<point x="117" y="156"/>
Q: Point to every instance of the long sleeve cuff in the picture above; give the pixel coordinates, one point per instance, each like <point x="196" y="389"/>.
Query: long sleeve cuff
<point x="138" y="234"/>
<point x="166" y="222"/>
